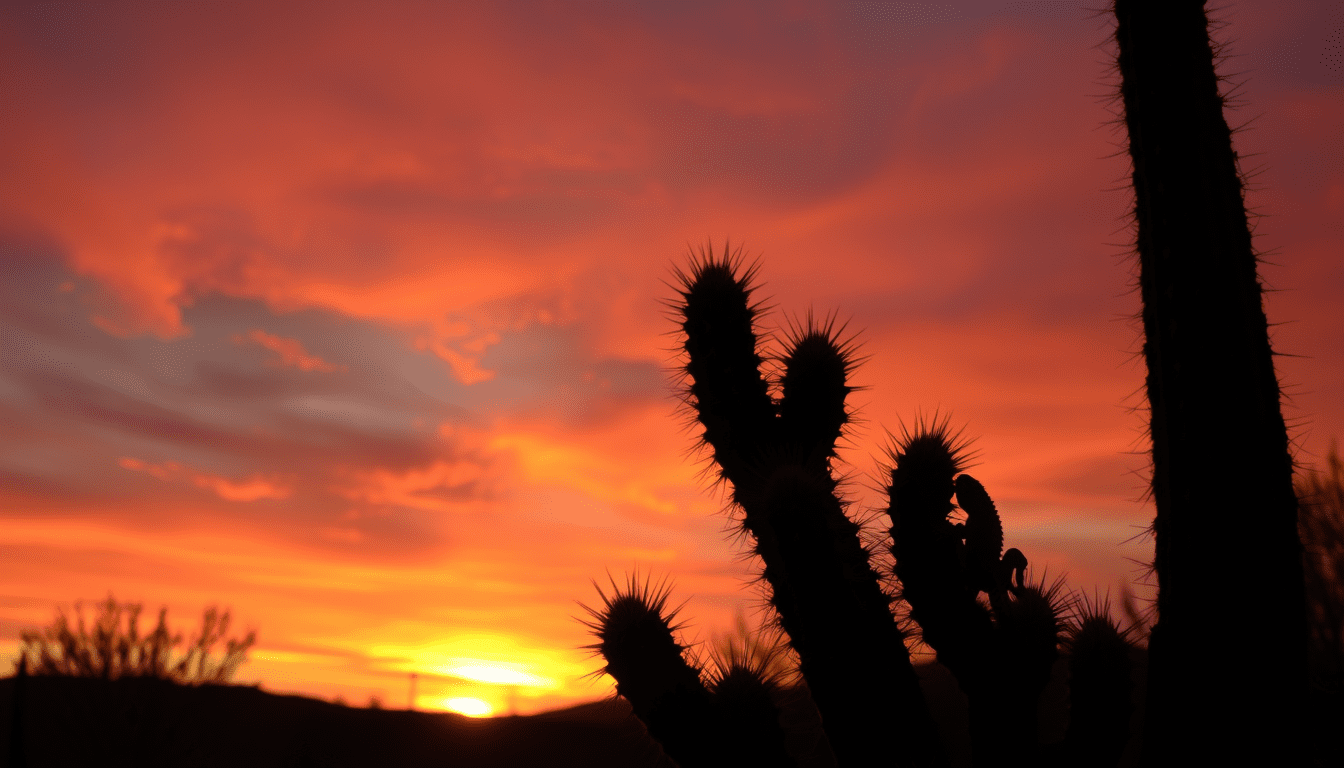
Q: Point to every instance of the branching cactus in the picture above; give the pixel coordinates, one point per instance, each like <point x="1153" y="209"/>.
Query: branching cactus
<point x="776" y="454"/>
<point x="772" y="437"/>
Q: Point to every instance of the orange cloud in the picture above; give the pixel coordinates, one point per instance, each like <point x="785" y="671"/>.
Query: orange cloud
<point x="464" y="365"/>
<point x="250" y="489"/>
<point x="289" y="352"/>
<point x="443" y="486"/>
<point x="160" y="471"/>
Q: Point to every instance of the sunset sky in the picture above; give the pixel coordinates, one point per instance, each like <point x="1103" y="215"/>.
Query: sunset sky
<point x="349" y="316"/>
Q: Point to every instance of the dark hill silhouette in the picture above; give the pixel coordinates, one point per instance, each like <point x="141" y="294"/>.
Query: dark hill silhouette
<point x="147" y="723"/>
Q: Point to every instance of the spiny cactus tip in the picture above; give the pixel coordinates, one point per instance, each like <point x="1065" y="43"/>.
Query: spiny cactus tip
<point x="711" y="273"/>
<point x="931" y="448"/>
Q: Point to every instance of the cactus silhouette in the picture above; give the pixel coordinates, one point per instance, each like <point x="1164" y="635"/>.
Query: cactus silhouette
<point x="1221" y="470"/>
<point x="828" y="597"/>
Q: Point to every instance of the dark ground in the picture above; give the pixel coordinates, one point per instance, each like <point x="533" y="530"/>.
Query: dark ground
<point x="79" y="722"/>
<point x="147" y="723"/>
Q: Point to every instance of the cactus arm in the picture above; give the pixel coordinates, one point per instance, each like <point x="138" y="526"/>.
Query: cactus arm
<point x="1027" y="630"/>
<point x="725" y="389"/>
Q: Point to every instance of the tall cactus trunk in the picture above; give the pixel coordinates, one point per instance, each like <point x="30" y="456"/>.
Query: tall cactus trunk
<point x="1228" y="652"/>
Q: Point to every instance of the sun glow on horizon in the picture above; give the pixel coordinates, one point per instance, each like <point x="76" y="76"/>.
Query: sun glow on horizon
<point x="466" y="705"/>
<point x="496" y="673"/>
<point x="491" y="658"/>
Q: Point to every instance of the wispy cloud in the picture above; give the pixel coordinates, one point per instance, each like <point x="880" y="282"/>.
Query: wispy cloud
<point x="288" y="352"/>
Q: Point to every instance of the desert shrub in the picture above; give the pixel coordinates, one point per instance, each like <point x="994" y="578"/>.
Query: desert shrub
<point x="1321" y="525"/>
<point x="111" y="647"/>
